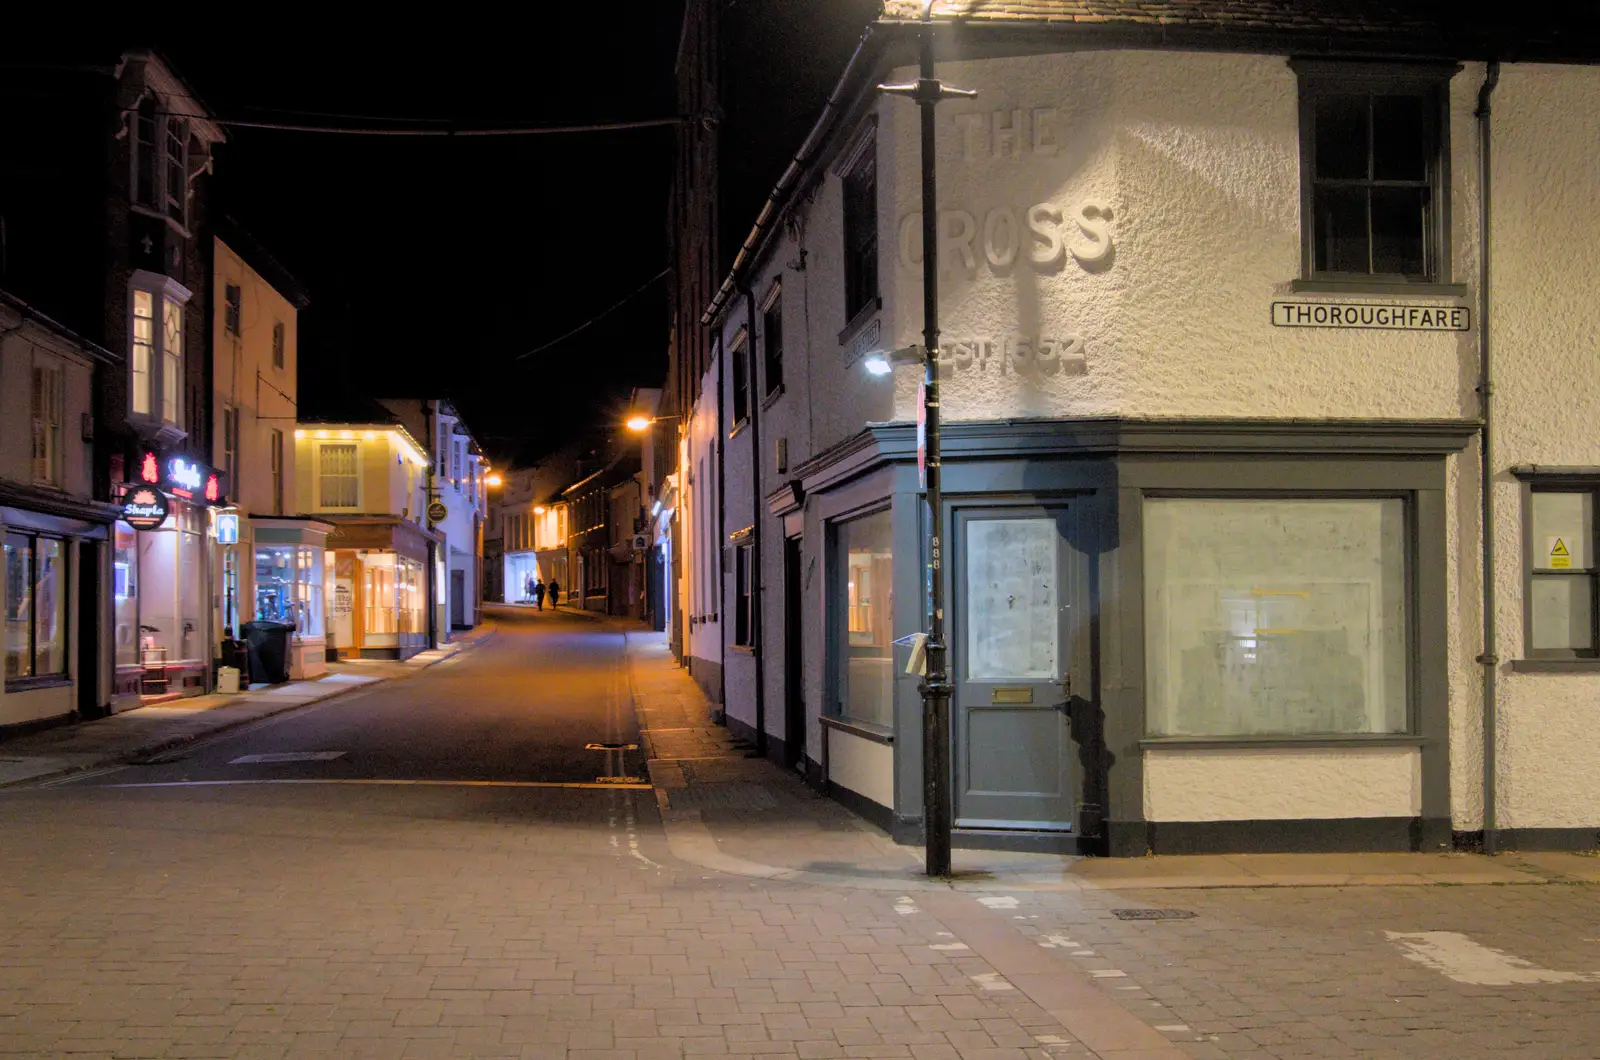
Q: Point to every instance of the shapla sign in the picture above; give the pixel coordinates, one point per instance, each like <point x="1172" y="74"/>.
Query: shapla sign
<point x="144" y="507"/>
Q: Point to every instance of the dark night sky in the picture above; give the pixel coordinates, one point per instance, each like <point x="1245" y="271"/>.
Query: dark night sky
<point x="432" y="263"/>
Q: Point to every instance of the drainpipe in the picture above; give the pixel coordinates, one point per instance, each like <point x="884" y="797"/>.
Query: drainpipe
<point x="756" y="634"/>
<point x="1489" y="660"/>
<point x="720" y="539"/>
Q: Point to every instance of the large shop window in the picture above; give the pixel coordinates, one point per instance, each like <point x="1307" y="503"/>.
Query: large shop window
<point x="864" y="548"/>
<point x="36" y="606"/>
<point x="1276" y="617"/>
<point x="395" y="594"/>
<point x="125" y="593"/>
<point x="1561" y="608"/>
<point x="1372" y="155"/>
<point x="289" y="586"/>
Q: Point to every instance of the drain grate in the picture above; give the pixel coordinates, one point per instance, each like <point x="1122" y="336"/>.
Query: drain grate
<point x="735" y="796"/>
<point x="610" y="747"/>
<point x="1153" y="914"/>
<point x="619" y="780"/>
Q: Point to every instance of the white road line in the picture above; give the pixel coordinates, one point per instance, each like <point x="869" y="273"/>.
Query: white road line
<point x="1458" y="957"/>
<point x="580" y="785"/>
<point x="73" y="778"/>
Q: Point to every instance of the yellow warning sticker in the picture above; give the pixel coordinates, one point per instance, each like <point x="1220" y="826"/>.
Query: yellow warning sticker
<point x="1560" y="555"/>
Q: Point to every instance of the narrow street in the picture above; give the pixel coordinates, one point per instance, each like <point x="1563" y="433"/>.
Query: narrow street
<point x="456" y="874"/>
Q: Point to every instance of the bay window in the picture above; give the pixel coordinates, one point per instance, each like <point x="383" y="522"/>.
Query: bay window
<point x="338" y="476"/>
<point x="156" y="355"/>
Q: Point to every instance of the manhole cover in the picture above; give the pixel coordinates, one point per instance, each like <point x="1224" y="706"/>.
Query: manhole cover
<point x="610" y="747"/>
<point x="286" y="756"/>
<point x="1152" y="914"/>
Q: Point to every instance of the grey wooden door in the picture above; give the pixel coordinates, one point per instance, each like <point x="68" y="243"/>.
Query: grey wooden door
<point x="1013" y="594"/>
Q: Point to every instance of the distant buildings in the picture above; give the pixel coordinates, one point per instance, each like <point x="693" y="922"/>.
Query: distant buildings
<point x="149" y="351"/>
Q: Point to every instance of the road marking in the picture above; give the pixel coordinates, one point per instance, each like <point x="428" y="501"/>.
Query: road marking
<point x="1458" y="957"/>
<point x="992" y="981"/>
<point x="73" y="778"/>
<point x="1004" y="901"/>
<point x="580" y="785"/>
<point x="270" y="757"/>
<point x="1173" y="1028"/>
<point x="610" y="747"/>
<point x="949" y="946"/>
<point x="1108" y="973"/>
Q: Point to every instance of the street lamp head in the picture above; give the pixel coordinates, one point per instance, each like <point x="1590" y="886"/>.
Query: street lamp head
<point x="639" y="423"/>
<point x="538" y="509"/>
<point x="877" y="364"/>
<point x="882" y="362"/>
<point x="493" y="481"/>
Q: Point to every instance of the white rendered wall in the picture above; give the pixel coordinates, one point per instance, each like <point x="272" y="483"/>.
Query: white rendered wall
<point x="699" y="515"/>
<point x="1282" y="784"/>
<point x="1545" y="325"/>
<point x="863" y="766"/>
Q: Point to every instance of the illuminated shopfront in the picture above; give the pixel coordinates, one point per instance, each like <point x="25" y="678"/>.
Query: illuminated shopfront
<point x="161" y="577"/>
<point x="378" y="602"/>
<point x="288" y="583"/>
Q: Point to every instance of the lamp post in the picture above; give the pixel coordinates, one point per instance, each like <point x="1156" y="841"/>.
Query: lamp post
<point x="927" y="91"/>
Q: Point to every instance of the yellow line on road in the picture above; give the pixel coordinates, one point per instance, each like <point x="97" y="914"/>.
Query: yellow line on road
<point x="582" y="785"/>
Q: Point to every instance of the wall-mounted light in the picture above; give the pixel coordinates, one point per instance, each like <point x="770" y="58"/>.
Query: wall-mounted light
<point x="492" y="480"/>
<point x="883" y="362"/>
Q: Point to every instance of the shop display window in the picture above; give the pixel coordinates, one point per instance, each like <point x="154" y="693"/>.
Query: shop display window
<point x="1276" y="617"/>
<point x="866" y="674"/>
<point x="378" y="574"/>
<point x="125" y="594"/>
<point x="36" y="606"/>
<point x="289" y="587"/>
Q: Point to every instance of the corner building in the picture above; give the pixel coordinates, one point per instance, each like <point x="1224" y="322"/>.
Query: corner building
<point x="1214" y="314"/>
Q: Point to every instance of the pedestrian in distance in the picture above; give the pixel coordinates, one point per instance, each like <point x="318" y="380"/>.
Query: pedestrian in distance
<point x="555" y="594"/>
<point x="527" y="589"/>
<point x="538" y="595"/>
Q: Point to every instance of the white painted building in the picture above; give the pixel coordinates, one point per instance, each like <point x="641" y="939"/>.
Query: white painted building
<point x="56" y="580"/>
<point x="1214" y="336"/>
<point x="266" y="558"/>
<point x="459" y="470"/>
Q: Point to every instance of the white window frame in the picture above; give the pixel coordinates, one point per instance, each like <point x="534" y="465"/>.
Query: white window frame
<point x="317" y="471"/>
<point x="162" y="290"/>
<point x="160" y="199"/>
<point x="275" y="444"/>
<point x="48" y="415"/>
<point x="279" y="344"/>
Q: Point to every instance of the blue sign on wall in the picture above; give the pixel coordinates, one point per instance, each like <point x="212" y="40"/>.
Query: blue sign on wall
<point x="227" y="529"/>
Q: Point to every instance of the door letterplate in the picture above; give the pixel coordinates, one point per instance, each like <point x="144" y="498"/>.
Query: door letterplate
<point x="1012" y="694"/>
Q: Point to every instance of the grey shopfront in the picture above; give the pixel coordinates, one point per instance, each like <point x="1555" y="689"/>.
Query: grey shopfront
<point x="1167" y="635"/>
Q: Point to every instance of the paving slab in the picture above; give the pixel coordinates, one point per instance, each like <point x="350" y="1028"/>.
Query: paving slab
<point x="703" y="777"/>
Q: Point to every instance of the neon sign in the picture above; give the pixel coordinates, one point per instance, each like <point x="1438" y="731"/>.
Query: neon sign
<point x="182" y="477"/>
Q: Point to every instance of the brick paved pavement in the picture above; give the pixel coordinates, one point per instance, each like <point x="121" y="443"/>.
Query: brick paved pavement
<point x="505" y="921"/>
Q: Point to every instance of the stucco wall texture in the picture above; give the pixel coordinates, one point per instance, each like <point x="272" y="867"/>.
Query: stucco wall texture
<point x="1196" y="159"/>
<point x="1185" y="170"/>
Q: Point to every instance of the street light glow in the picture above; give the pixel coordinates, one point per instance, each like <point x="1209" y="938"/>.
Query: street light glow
<point x="492" y="480"/>
<point x="638" y="423"/>
<point x="877" y="364"/>
<point x="538" y="509"/>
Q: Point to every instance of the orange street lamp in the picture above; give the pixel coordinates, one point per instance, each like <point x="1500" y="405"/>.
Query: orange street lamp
<point x="639" y="423"/>
<point x="493" y="481"/>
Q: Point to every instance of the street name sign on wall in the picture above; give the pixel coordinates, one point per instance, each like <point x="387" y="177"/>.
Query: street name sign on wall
<point x="1364" y="315"/>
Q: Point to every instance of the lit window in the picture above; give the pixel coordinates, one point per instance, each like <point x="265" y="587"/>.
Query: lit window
<point x="144" y="344"/>
<point x="339" y="477"/>
<point x="171" y="362"/>
<point x="866" y="663"/>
